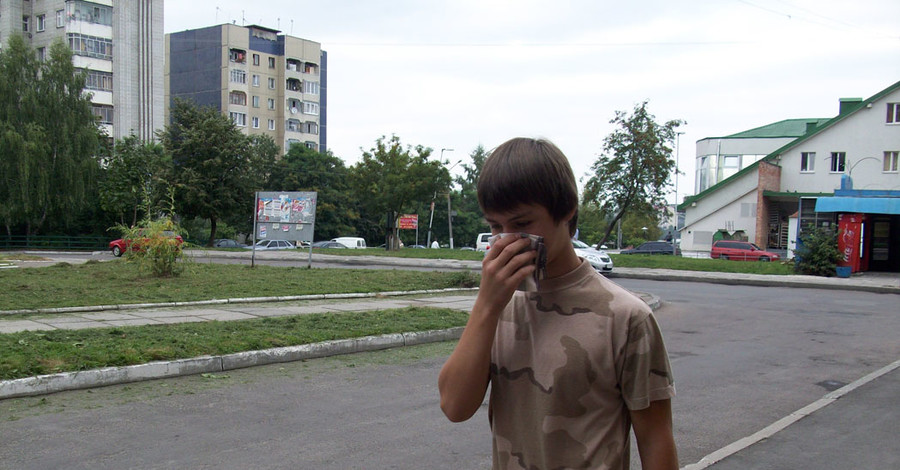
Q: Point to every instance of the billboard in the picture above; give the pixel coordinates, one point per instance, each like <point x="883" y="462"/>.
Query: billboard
<point x="285" y="215"/>
<point x="409" y="222"/>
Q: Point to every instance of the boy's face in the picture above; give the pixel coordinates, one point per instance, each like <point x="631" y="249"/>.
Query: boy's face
<point x="533" y="219"/>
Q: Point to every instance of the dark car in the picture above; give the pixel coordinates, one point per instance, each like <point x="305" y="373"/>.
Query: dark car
<point x="652" y="248"/>
<point x="328" y="244"/>
<point x="738" y="250"/>
<point x="227" y="243"/>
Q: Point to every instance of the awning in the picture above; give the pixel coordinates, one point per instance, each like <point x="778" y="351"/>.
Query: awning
<point x="861" y="205"/>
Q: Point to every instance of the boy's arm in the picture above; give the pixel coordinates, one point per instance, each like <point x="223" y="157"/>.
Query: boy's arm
<point x="653" y="430"/>
<point x="464" y="378"/>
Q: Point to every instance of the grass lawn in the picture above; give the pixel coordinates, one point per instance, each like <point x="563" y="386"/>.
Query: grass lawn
<point x="31" y="353"/>
<point x="119" y="282"/>
<point x="700" y="264"/>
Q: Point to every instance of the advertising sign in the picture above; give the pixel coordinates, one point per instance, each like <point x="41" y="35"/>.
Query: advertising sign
<point x="289" y="215"/>
<point x="409" y="222"/>
<point x="849" y="226"/>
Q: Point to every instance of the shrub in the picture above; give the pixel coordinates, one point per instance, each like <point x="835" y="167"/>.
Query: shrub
<point x="817" y="252"/>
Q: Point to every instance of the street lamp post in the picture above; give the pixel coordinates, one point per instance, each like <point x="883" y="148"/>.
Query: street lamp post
<point x="449" y="210"/>
<point x="433" y="197"/>
<point x="675" y="236"/>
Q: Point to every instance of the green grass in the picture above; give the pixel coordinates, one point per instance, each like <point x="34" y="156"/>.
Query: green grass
<point x="700" y="264"/>
<point x="31" y="353"/>
<point x="421" y="253"/>
<point x="119" y="282"/>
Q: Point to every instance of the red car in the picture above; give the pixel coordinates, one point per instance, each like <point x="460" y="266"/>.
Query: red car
<point x="742" y="251"/>
<point x="119" y="246"/>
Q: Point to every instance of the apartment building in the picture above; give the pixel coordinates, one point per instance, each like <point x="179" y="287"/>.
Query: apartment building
<point x="119" y="43"/>
<point x="267" y="83"/>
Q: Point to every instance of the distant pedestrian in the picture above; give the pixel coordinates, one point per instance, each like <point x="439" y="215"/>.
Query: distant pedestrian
<point x="435" y="244"/>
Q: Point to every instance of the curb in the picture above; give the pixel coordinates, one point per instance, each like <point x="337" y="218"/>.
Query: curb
<point x="756" y="282"/>
<point x="52" y="383"/>
<point x="239" y="300"/>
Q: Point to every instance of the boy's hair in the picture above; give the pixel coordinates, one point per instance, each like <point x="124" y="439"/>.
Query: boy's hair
<point x="529" y="171"/>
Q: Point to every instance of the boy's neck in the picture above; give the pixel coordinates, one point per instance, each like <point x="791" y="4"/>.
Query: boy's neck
<point x="567" y="262"/>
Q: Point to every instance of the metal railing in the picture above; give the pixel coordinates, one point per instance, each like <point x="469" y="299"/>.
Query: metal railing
<point x="53" y="242"/>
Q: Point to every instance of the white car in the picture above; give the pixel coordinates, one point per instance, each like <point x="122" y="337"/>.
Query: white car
<point x="481" y="243"/>
<point x="599" y="259"/>
<point x="272" y="245"/>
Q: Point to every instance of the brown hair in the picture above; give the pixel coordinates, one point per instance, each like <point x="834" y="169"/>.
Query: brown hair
<point x="529" y="171"/>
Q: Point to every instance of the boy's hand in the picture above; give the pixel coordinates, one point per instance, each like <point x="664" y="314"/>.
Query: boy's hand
<point x="503" y="269"/>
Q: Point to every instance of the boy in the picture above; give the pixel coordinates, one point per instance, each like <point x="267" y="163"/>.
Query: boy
<point x="576" y="363"/>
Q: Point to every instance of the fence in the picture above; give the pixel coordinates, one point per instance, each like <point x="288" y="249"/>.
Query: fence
<point x="53" y="242"/>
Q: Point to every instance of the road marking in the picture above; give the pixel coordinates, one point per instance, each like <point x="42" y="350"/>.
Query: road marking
<point x="788" y="420"/>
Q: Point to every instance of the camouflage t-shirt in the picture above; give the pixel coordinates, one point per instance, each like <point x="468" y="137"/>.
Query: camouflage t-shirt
<point x="568" y="362"/>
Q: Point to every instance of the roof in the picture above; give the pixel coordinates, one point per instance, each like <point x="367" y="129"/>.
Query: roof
<point x="780" y="129"/>
<point x="851" y="108"/>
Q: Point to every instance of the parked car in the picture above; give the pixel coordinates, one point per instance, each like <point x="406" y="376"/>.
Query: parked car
<point x="352" y="242"/>
<point x="328" y="244"/>
<point x="652" y="248"/>
<point x="227" y="243"/>
<point x="599" y="259"/>
<point x="481" y="242"/>
<point x="120" y="246"/>
<point x="272" y="245"/>
<point x="417" y="246"/>
<point x="738" y="250"/>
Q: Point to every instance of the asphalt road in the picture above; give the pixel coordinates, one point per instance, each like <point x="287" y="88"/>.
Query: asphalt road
<point x="743" y="357"/>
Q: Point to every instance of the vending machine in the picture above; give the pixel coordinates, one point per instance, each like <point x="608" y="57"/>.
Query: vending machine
<point x="849" y="238"/>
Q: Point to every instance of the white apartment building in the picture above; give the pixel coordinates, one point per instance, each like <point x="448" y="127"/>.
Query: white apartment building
<point x="119" y="43"/>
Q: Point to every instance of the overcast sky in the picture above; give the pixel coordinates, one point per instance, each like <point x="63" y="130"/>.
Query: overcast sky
<point x="458" y="74"/>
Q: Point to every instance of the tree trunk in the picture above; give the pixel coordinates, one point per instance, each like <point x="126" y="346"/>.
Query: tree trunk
<point x="212" y="231"/>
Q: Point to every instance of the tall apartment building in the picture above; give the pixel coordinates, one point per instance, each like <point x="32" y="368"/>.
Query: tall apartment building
<point x="119" y="43"/>
<point x="268" y="83"/>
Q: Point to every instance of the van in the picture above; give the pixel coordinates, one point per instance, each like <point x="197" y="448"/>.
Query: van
<point x="481" y="243"/>
<point x="350" y="242"/>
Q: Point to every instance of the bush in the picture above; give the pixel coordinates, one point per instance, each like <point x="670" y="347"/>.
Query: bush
<point x="817" y="252"/>
<point x="154" y="248"/>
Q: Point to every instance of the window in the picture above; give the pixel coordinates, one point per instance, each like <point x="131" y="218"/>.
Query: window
<point x="41" y="22"/>
<point x="807" y="162"/>
<point x="255" y="80"/>
<point x="271" y="83"/>
<point x="312" y="88"/>
<point x="100" y="81"/>
<point x="890" y="162"/>
<point x="90" y="12"/>
<point x="310" y="108"/>
<point x="255" y="123"/>
<point x="238" y="98"/>
<point x="271" y="124"/>
<point x="103" y="112"/>
<point x="309" y="127"/>
<point x="731" y="161"/>
<point x="41" y="53"/>
<point x="271" y="62"/>
<point x="60" y="18"/>
<point x="26" y="21"/>
<point x="838" y="161"/>
<point x="237" y="55"/>
<point x="238" y="76"/>
<point x="239" y="119"/>
<point x="255" y="59"/>
<point x="90" y="46"/>
<point x="893" y="113"/>
<point x="271" y="103"/>
<point x="255" y="101"/>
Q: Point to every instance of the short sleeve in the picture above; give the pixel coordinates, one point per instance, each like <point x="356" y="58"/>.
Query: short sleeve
<point x="645" y="373"/>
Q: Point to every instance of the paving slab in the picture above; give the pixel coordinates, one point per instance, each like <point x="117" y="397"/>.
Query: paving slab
<point x="23" y="325"/>
<point x="223" y="315"/>
<point x="78" y="325"/>
<point x="174" y="320"/>
<point x="133" y="322"/>
<point x="106" y="316"/>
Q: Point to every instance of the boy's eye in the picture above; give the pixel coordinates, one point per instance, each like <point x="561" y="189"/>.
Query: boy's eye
<point x="523" y="224"/>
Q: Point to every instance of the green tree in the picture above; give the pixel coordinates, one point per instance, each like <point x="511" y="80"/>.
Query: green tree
<point x="468" y="221"/>
<point x="304" y="169"/>
<point x="391" y="179"/>
<point x="213" y="162"/>
<point x="136" y="175"/>
<point x="817" y="252"/>
<point x="635" y="165"/>
<point x="48" y="138"/>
